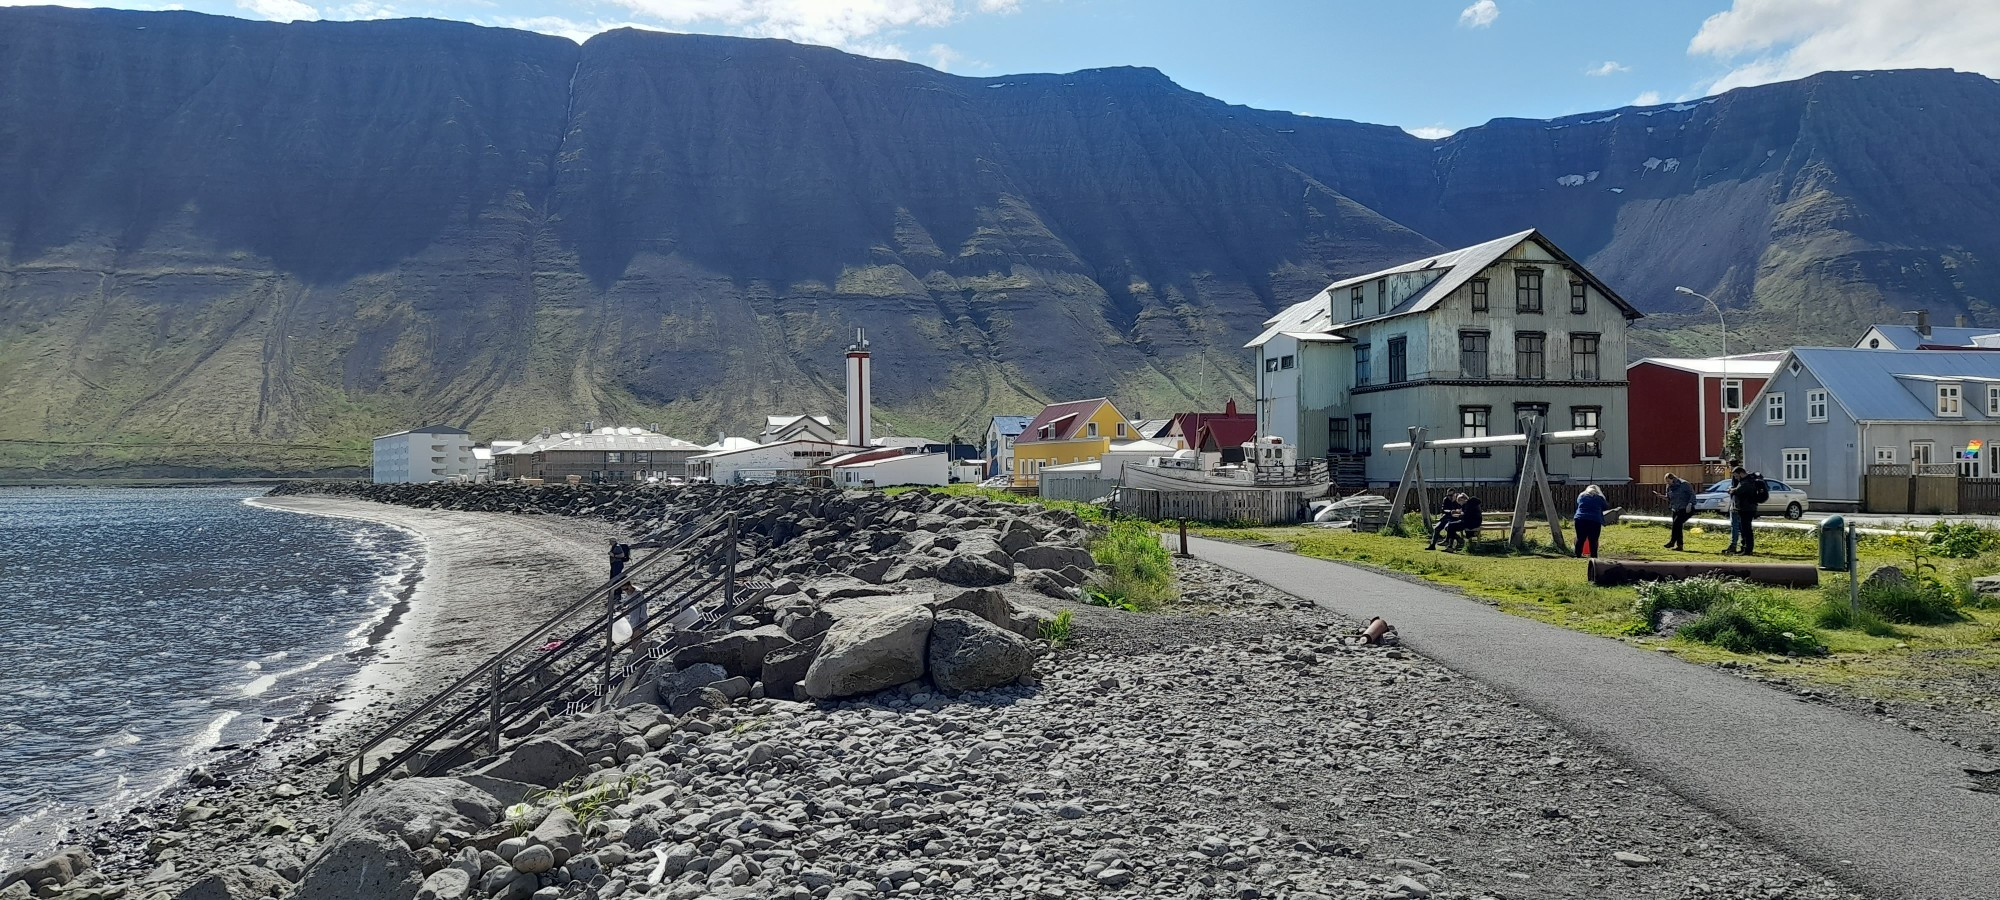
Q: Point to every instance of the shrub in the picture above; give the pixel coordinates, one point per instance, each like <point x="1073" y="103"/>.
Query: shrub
<point x="1057" y="631"/>
<point x="1754" y="622"/>
<point x="1136" y="572"/>
<point x="1921" y="600"/>
<point x="1687" y="594"/>
<point x="1961" y="540"/>
<point x="1834" y="612"/>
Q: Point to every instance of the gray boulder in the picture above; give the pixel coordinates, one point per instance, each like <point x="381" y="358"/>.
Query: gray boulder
<point x="370" y="851"/>
<point x="446" y="884"/>
<point x="560" y="831"/>
<point x="280" y="859"/>
<point x="677" y="689"/>
<point x="1027" y="621"/>
<point x="737" y="652"/>
<point x="986" y="603"/>
<point x="967" y="568"/>
<point x="841" y="586"/>
<point x="968" y="653"/>
<point x="786" y="667"/>
<point x="1052" y="556"/>
<point x="62" y="867"/>
<point x="866" y="654"/>
<point x="543" y="761"/>
<point x="236" y="883"/>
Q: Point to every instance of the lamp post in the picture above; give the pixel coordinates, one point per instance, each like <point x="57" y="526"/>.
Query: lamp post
<point x="1724" y="388"/>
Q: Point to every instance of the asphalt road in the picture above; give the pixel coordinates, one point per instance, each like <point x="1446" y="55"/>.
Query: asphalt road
<point x="1886" y="810"/>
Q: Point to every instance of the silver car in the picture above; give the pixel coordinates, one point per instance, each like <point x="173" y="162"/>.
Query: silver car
<point x="1783" y="496"/>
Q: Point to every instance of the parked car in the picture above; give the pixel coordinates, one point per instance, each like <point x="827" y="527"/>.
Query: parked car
<point x="1783" y="496"/>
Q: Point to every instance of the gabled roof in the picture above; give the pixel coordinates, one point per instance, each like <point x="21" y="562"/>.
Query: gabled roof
<point x="1222" y="433"/>
<point x="1065" y="419"/>
<point x="426" y="429"/>
<point x="1452" y="269"/>
<point x="1189" y="424"/>
<point x="772" y="423"/>
<point x="1905" y="337"/>
<point x="861" y="456"/>
<point x="1152" y="428"/>
<point x="1751" y="365"/>
<point x="718" y="454"/>
<point x="1008" y="426"/>
<point x="732" y="443"/>
<point x="1897" y="385"/>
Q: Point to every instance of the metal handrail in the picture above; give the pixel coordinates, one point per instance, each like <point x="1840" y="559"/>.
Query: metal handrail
<point x="355" y="776"/>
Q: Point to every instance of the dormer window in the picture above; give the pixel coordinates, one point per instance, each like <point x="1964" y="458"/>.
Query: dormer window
<point x="1355" y="296"/>
<point x="1949" y="397"/>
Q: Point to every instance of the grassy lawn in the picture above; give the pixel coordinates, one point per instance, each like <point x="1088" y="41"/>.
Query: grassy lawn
<point x="1549" y="587"/>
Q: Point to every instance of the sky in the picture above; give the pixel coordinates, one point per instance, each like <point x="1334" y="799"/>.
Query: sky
<point x="1430" y="66"/>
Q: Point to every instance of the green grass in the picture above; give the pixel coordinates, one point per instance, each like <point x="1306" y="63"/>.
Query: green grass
<point x="1057" y="631"/>
<point x="1135" y="570"/>
<point x="1084" y="511"/>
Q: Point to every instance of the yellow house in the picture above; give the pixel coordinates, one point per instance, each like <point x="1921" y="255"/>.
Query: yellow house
<point x="1064" y="433"/>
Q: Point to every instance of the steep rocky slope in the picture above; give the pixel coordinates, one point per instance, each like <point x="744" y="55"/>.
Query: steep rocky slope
<point x="244" y="246"/>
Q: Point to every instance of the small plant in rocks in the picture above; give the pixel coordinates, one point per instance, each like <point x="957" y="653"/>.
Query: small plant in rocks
<point x="1136" y="571"/>
<point x="1057" y="631"/>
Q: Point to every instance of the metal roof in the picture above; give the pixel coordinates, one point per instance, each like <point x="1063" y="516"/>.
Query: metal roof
<point x="1011" y="425"/>
<point x="1761" y="364"/>
<point x="1905" y="337"/>
<point x="1896" y="385"/>
<point x="426" y="429"/>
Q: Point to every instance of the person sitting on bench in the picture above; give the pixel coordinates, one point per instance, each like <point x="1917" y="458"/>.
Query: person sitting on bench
<point x="1462" y="530"/>
<point x="1447" y="514"/>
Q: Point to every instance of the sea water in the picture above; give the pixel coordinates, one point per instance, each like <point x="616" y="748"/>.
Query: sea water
<point x="142" y="628"/>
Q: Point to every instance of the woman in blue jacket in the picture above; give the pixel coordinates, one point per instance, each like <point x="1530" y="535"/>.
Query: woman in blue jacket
<point x="1589" y="519"/>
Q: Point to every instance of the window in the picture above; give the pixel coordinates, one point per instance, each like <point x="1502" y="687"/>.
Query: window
<point x="1794" y="367"/>
<point x="1382" y="296"/>
<point x="1798" y="465"/>
<point x="1090" y="429"/>
<point x="1360" y="365"/>
<point x="1528" y="290"/>
<point x="1579" y="297"/>
<point x="1121" y="429"/>
<point x="643" y="457"/>
<point x="1732" y="395"/>
<point x="1948" y="400"/>
<point x="1364" y="435"/>
<point x="1529" y="360"/>
<point x="1993" y="399"/>
<point x="612" y="457"/>
<point x="1472" y="354"/>
<point x="1816" y="406"/>
<point x="1355" y="295"/>
<point x="1472" y="422"/>
<point x="1479" y="295"/>
<point x="1399" y="360"/>
<point x="1288" y="361"/>
<point x="1774" y="409"/>
<point x="1336" y="435"/>
<point x="1968" y="462"/>
<point x="1580" y="418"/>
<point x="1583" y="357"/>
<point x="1539" y="410"/>
<point x="1885" y="456"/>
<point x="1271" y="364"/>
<point x="1921" y="452"/>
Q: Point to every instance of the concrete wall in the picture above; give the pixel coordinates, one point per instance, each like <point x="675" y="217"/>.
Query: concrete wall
<point x="422" y="457"/>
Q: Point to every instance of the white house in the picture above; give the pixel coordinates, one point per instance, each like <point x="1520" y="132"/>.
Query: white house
<point x="1463" y="343"/>
<point x="1000" y="435"/>
<point x="788" y="428"/>
<point x="789" y="461"/>
<point x="428" y="453"/>
<point x="871" y="470"/>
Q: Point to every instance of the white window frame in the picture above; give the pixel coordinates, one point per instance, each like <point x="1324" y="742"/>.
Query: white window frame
<point x="1967" y="467"/>
<point x="1774" y="408"/>
<point x="1121" y="429"/>
<point x="1816" y="405"/>
<point x="1886" y="456"/>
<point x="1090" y="429"/>
<point x="1951" y="400"/>
<point x="1993" y="399"/>
<point x="1729" y="384"/>
<point x="1798" y="465"/>
<point x="1928" y="457"/>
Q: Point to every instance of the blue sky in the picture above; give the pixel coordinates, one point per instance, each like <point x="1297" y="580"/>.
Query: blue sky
<point x="1428" y="65"/>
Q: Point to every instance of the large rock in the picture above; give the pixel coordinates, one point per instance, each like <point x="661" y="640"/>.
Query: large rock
<point x="236" y="883"/>
<point x="1053" y="556"/>
<point x="371" y="851"/>
<point x="866" y="654"/>
<point x="785" y="668"/>
<point x="544" y="761"/>
<point x="972" y="568"/>
<point x="61" y="867"/>
<point x="678" y="689"/>
<point x="986" y="603"/>
<point x="1027" y="621"/>
<point x="968" y="653"/>
<point x="737" y="652"/>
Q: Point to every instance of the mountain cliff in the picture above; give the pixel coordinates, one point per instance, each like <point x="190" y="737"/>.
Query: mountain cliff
<point x="232" y="246"/>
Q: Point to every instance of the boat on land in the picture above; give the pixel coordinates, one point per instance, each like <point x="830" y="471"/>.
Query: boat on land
<point x="1269" y="464"/>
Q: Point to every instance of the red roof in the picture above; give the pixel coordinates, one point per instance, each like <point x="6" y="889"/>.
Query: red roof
<point x="1231" y="427"/>
<point x="1067" y="419"/>
<point x="1225" y="432"/>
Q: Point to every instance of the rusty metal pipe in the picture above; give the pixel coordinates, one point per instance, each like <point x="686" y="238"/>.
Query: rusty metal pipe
<point x="1615" y="572"/>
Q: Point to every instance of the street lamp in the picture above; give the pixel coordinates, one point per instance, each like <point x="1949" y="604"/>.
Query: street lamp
<point x="1683" y="289"/>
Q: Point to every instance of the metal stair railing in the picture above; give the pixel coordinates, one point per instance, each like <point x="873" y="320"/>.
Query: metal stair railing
<point x="684" y="585"/>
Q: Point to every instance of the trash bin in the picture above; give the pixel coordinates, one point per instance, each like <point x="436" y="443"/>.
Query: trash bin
<point x="1833" y="544"/>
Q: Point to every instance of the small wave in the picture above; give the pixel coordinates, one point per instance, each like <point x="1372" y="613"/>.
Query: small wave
<point x="278" y="656"/>
<point x="264" y="683"/>
<point x="211" y="734"/>
<point x="253" y="666"/>
<point x="259" y="685"/>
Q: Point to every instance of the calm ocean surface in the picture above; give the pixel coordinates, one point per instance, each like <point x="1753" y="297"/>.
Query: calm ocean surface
<point x="145" y="626"/>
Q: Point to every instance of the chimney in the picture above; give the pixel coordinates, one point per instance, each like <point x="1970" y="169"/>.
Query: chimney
<point x="1960" y="320"/>
<point x="653" y="427"/>
<point x="1229" y="409"/>
<point x="857" y="390"/>
<point x="1924" y="322"/>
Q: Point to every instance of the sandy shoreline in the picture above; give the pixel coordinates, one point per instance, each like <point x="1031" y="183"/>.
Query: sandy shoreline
<point x="481" y="580"/>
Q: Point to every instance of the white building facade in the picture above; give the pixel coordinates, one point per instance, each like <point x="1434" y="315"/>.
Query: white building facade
<point x="789" y="461"/>
<point x="425" y="454"/>
<point x="1462" y="343"/>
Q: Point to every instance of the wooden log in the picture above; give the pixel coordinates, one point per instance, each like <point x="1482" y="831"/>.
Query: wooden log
<point x="1615" y="572"/>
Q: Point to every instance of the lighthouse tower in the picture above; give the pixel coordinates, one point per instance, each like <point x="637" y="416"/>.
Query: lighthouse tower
<point x="857" y="390"/>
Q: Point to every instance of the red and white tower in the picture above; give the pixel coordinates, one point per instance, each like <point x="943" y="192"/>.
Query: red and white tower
<point x="857" y="390"/>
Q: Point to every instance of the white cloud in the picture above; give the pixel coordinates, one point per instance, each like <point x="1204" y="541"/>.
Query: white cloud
<point x="1649" y="98"/>
<point x="1607" y="67"/>
<point x="1479" y="15"/>
<point x="840" y="23"/>
<point x="279" y="10"/>
<point x="1777" y="40"/>
<point x="1431" y="132"/>
<point x="942" y="56"/>
<point x="1000" y="6"/>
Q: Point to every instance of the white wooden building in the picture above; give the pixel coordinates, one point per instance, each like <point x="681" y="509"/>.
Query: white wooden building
<point x="763" y="463"/>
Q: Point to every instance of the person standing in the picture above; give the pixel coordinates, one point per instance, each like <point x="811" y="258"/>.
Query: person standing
<point x="620" y="555"/>
<point x="1743" y="499"/>
<point x="1589" y="518"/>
<point x="1680" y="503"/>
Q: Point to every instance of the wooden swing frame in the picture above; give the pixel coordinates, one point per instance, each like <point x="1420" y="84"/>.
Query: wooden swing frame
<point x="1532" y="483"/>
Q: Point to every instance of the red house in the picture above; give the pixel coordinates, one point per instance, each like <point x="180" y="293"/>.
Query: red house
<point x="1232" y="429"/>
<point x="1680" y="409"/>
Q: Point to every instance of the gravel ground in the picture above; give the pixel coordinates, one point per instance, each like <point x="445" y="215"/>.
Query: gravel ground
<point x="1236" y="746"/>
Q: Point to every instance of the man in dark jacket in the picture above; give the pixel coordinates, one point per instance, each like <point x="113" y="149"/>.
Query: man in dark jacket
<point x="1460" y="531"/>
<point x="1680" y="502"/>
<point x="1742" y="512"/>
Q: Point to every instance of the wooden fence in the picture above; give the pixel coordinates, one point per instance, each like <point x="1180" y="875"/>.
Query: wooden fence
<point x="1237" y="507"/>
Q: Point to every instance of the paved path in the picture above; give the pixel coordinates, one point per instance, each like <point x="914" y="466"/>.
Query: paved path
<point x="1823" y="784"/>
